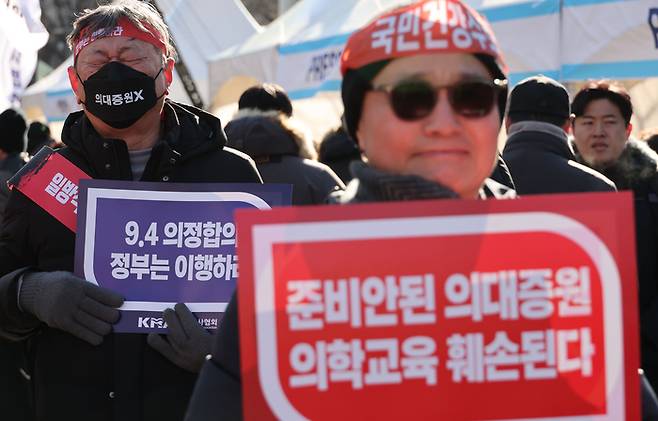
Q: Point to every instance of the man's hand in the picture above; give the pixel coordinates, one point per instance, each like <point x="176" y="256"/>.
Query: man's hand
<point x="188" y="343"/>
<point x="64" y="301"/>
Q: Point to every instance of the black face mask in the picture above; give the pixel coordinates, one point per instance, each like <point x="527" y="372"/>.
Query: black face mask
<point x="120" y="95"/>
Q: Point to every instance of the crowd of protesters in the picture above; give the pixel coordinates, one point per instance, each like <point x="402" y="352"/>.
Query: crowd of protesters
<point x="418" y="124"/>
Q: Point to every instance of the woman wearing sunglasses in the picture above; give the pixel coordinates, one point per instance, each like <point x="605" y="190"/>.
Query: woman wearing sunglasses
<point x="424" y="90"/>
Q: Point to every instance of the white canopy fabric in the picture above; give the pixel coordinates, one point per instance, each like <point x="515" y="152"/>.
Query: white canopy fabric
<point x="52" y="95"/>
<point x="200" y="29"/>
<point x="568" y="40"/>
<point x="21" y="36"/>
<point x="301" y="49"/>
<point x="609" y="39"/>
<point x="580" y="39"/>
<point x="316" y="24"/>
<point x="203" y="28"/>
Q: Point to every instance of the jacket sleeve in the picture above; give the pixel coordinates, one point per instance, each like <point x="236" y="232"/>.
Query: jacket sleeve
<point x="252" y="171"/>
<point x="4" y="192"/>
<point x="239" y="166"/>
<point x="501" y="173"/>
<point x="15" y="258"/>
<point x="322" y="182"/>
<point x="333" y="180"/>
<point x="218" y="393"/>
<point x="217" y="396"/>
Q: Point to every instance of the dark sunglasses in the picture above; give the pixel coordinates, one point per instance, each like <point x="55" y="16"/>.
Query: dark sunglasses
<point x="413" y="99"/>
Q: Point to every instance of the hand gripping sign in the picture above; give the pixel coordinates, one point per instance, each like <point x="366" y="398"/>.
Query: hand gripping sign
<point x="158" y="244"/>
<point x="450" y="310"/>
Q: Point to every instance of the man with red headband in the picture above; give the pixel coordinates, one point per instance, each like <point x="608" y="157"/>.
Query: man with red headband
<point x="128" y="130"/>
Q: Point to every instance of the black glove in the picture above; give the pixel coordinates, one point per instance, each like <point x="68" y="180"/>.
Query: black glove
<point x="64" y="301"/>
<point x="188" y="343"/>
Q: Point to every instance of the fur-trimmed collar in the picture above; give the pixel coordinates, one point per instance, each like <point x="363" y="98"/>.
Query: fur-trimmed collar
<point x="637" y="164"/>
<point x="536" y="126"/>
<point x="293" y="128"/>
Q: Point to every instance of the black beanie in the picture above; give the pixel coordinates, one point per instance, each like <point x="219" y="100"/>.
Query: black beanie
<point x="497" y="73"/>
<point x="356" y="82"/>
<point x="38" y="135"/>
<point x="12" y="131"/>
<point x="353" y="90"/>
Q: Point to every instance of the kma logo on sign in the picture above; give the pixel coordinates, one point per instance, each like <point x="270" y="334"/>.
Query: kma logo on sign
<point x="151" y="322"/>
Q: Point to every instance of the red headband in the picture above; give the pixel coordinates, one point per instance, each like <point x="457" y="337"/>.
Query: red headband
<point x="124" y="28"/>
<point x="424" y="27"/>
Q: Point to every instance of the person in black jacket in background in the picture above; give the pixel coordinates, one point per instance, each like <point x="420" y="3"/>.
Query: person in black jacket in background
<point x="338" y="151"/>
<point x="14" y="381"/>
<point x="537" y="150"/>
<point x="283" y="152"/>
<point x="38" y="136"/>
<point x="82" y="371"/>
<point x="602" y="128"/>
<point x="12" y="146"/>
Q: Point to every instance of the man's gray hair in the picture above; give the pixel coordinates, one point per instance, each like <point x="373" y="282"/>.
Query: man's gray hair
<point x="107" y="16"/>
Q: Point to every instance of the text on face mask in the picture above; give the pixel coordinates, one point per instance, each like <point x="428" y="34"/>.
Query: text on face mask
<point x="120" y="99"/>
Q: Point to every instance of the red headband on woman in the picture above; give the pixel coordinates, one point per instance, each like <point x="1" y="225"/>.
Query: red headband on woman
<point x="124" y="28"/>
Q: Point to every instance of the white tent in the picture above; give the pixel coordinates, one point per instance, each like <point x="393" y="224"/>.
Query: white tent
<point x="203" y="28"/>
<point x="609" y="39"/>
<point x="51" y="96"/>
<point x="192" y="26"/>
<point x="565" y="39"/>
<point x="569" y="40"/>
<point x="301" y="52"/>
<point x="301" y="49"/>
<point x="324" y="25"/>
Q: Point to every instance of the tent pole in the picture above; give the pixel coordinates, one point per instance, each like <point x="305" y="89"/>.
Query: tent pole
<point x="183" y="72"/>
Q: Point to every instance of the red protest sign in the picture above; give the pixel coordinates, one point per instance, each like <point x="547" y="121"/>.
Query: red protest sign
<point x="458" y="310"/>
<point x="52" y="182"/>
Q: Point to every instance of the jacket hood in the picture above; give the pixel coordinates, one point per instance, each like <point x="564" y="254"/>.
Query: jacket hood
<point x="265" y="133"/>
<point x="338" y="145"/>
<point x="536" y="126"/>
<point x="538" y="135"/>
<point x="188" y="130"/>
<point x="637" y="164"/>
